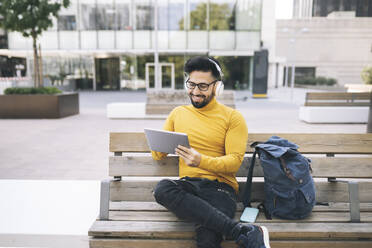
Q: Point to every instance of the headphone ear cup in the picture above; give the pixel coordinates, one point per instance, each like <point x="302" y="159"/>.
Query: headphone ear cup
<point x="219" y="88"/>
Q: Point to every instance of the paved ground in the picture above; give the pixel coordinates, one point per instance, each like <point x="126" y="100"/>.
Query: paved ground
<point x="50" y="169"/>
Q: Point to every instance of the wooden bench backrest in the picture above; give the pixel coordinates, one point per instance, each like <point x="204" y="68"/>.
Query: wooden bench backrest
<point x="308" y="143"/>
<point x="337" y="99"/>
<point x="133" y="160"/>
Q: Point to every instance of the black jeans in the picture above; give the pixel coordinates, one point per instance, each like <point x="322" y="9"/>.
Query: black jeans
<point x="211" y="205"/>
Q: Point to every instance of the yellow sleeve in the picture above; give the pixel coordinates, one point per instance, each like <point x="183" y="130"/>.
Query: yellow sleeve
<point x="168" y="126"/>
<point x="235" y="147"/>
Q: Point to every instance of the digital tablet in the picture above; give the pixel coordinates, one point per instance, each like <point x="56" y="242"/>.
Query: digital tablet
<point x="165" y="141"/>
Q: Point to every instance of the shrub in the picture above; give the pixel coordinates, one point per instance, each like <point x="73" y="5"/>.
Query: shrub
<point x="316" y="81"/>
<point x="367" y="75"/>
<point x="28" y="91"/>
<point x="321" y="81"/>
<point x="306" y="81"/>
<point x="331" y="81"/>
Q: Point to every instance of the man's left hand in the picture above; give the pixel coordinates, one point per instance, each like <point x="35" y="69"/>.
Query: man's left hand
<point x="189" y="155"/>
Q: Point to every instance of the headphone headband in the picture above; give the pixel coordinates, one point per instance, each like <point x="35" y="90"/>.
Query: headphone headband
<point x="217" y="67"/>
<point x="219" y="85"/>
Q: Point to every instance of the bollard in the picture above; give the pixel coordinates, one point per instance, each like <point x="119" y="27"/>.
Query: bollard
<point x="369" y="124"/>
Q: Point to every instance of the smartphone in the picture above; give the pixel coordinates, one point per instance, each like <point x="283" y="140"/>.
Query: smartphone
<point x="249" y="215"/>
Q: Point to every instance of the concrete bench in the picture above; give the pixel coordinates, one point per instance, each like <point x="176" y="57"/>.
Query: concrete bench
<point x="358" y="87"/>
<point x="163" y="102"/>
<point x="129" y="216"/>
<point x="335" y="107"/>
<point x="125" y="110"/>
<point x="130" y="110"/>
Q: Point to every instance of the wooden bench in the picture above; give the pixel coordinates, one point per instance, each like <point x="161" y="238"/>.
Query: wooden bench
<point x="335" y="107"/>
<point x="163" y="102"/>
<point x="129" y="216"/>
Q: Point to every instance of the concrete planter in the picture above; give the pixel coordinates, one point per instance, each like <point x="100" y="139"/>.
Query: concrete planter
<point x="39" y="106"/>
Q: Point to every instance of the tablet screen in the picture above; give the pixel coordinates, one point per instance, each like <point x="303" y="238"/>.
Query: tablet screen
<point x="165" y="141"/>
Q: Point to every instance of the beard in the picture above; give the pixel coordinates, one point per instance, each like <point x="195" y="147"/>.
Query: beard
<point x="203" y="103"/>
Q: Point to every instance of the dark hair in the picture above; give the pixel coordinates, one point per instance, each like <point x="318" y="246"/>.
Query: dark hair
<point x="201" y="63"/>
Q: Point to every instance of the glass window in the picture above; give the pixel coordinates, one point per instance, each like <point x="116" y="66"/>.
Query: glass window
<point x="163" y="15"/>
<point x="123" y="17"/>
<point x="236" y="70"/>
<point x="222" y="15"/>
<point x="67" y="22"/>
<point x="171" y="15"/>
<point x="107" y="73"/>
<point x="12" y="67"/>
<point x="166" y="76"/>
<point x="105" y="17"/>
<point x="197" y="15"/>
<point x="364" y="8"/>
<point x="179" y="62"/>
<point x="248" y="15"/>
<point x="144" y="16"/>
<point x="128" y="70"/>
<point x="305" y="72"/>
<point x="3" y="41"/>
<point x="176" y="15"/>
<point x="324" y="8"/>
<point x="88" y="15"/>
<point x="141" y="65"/>
<point x="304" y="75"/>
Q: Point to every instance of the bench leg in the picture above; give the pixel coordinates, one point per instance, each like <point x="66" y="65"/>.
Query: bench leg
<point x="354" y="201"/>
<point x="353" y="198"/>
<point x="104" y="200"/>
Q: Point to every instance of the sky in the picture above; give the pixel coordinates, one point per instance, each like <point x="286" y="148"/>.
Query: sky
<point x="283" y="9"/>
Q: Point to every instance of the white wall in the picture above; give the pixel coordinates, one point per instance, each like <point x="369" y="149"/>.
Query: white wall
<point x="17" y="42"/>
<point x="268" y="34"/>
<point x="338" y="48"/>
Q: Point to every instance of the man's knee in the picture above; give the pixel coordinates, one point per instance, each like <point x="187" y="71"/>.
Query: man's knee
<point x="164" y="190"/>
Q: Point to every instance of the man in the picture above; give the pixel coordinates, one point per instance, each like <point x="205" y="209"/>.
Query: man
<point x="206" y="193"/>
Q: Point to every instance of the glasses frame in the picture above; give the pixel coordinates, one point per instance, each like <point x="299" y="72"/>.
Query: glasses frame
<point x="198" y="85"/>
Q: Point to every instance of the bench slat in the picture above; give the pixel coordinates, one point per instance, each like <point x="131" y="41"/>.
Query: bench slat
<point x="337" y="96"/>
<point x="309" y="143"/>
<point x="153" y="206"/>
<point x="337" y="104"/>
<point x="183" y="230"/>
<point x="322" y="217"/>
<point x="166" y="243"/>
<point x="133" y="190"/>
<point x="341" y="167"/>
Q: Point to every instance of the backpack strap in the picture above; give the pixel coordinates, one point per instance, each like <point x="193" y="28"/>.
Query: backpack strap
<point x="287" y="171"/>
<point x="248" y="185"/>
<point x="262" y="208"/>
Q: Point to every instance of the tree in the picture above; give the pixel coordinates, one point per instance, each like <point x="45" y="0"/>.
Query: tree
<point x="221" y="17"/>
<point x="367" y="75"/>
<point x="30" y="18"/>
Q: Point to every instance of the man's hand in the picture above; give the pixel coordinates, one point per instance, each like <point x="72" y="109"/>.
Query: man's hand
<point x="189" y="155"/>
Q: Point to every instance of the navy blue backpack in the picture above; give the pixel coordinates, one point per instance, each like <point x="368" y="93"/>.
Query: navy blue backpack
<point x="289" y="187"/>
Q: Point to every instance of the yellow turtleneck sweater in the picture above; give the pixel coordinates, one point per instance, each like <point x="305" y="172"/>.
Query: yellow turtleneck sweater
<point x="218" y="133"/>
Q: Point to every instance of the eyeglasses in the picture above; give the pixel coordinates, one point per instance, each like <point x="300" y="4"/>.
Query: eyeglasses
<point x="201" y="86"/>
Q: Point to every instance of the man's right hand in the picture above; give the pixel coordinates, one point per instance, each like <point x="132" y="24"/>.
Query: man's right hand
<point x="191" y="156"/>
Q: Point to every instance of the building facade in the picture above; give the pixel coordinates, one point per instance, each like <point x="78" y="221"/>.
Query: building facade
<point x="110" y="45"/>
<point x="327" y="38"/>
